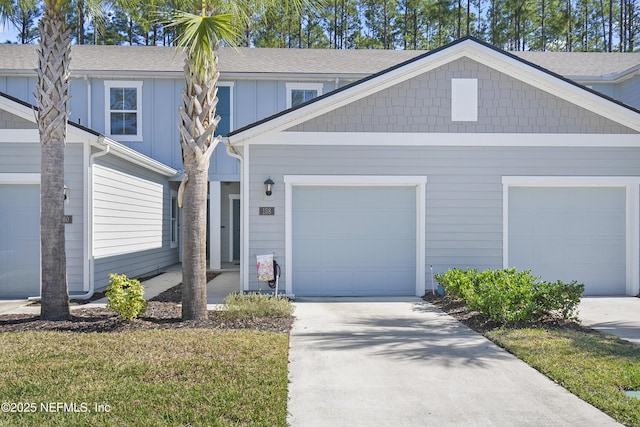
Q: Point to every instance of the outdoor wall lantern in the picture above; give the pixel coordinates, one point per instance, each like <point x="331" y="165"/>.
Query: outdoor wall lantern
<point x="268" y="187"/>
<point x="67" y="194"/>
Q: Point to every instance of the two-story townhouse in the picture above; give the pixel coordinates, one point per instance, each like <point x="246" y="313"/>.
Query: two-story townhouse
<point x="127" y="99"/>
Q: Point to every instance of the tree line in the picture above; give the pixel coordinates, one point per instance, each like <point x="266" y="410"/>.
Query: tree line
<point x="540" y="25"/>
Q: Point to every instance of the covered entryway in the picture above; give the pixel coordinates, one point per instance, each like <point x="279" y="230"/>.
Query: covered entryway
<point x="20" y="242"/>
<point x="570" y="233"/>
<point x="353" y="240"/>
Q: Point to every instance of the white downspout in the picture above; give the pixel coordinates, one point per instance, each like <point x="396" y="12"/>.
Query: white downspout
<point x="92" y="159"/>
<point x="88" y="82"/>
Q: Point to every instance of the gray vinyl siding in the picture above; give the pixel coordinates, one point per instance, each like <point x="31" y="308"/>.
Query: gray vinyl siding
<point x="74" y="232"/>
<point x="464" y="191"/>
<point x="138" y="263"/>
<point x="423" y="104"/>
<point x="629" y="92"/>
<point x="25" y="158"/>
<point x="11" y="121"/>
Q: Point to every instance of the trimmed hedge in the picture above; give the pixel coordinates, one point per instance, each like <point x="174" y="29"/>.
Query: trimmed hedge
<point x="511" y="296"/>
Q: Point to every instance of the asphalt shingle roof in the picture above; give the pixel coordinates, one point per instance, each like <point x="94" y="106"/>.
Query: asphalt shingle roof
<point x="356" y="63"/>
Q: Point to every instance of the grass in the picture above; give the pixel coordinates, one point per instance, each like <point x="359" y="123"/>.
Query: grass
<point x="242" y="306"/>
<point x="156" y="378"/>
<point x="597" y="368"/>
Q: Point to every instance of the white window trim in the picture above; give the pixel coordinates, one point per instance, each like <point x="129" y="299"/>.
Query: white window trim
<point x="108" y="85"/>
<point x="302" y="86"/>
<point x="630" y="183"/>
<point x="175" y="227"/>
<point x="419" y="182"/>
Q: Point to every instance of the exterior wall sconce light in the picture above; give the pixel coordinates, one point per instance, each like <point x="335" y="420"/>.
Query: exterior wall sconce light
<point x="67" y="194"/>
<point x="268" y="187"/>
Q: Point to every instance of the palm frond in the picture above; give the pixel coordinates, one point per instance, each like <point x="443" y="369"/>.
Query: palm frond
<point x="6" y="11"/>
<point x="201" y="35"/>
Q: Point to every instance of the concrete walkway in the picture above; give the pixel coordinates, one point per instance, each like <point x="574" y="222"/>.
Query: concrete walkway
<point x="402" y="362"/>
<point x="612" y="315"/>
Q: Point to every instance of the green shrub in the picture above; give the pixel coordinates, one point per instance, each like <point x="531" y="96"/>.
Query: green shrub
<point x="125" y="296"/>
<point x="511" y="296"/>
<point x="243" y="306"/>
<point x="456" y="281"/>
<point x="560" y="298"/>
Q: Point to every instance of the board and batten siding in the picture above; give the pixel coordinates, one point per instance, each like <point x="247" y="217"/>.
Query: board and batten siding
<point x="464" y="191"/>
<point x="131" y="221"/>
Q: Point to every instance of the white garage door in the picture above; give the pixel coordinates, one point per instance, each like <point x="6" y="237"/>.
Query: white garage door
<point x="353" y="241"/>
<point x="570" y="234"/>
<point x="20" y="241"/>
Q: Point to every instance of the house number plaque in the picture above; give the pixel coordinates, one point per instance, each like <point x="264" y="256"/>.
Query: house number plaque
<point x="267" y="210"/>
<point x="68" y="219"/>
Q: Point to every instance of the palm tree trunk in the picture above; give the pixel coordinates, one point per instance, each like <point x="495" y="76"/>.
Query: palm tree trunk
<point x="53" y="90"/>
<point x="197" y="125"/>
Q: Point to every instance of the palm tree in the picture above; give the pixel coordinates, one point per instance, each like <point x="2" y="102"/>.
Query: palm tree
<point x="200" y="35"/>
<point x="53" y="96"/>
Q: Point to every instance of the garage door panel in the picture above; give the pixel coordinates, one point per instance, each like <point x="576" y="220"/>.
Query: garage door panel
<point x="20" y="243"/>
<point x="571" y="233"/>
<point x="354" y="240"/>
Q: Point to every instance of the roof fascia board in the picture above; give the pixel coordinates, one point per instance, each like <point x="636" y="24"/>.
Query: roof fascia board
<point x="349" y="95"/>
<point x="133" y="156"/>
<point x="556" y="85"/>
<point x="500" y="61"/>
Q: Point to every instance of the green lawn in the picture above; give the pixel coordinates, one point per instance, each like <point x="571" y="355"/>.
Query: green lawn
<point x="597" y="368"/>
<point x="155" y="378"/>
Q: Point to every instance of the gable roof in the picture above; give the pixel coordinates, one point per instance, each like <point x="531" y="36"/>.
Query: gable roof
<point x="159" y="61"/>
<point x="164" y="61"/>
<point x="469" y="47"/>
<point x="27" y="111"/>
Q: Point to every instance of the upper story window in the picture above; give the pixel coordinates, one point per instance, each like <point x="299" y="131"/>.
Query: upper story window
<point x="123" y="110"/>
<point x="298" y="93"/>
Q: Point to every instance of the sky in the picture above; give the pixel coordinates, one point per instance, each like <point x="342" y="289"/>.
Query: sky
<point x="7" y="33"/>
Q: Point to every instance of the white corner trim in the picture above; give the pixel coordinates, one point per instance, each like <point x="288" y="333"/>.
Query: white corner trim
<point x="632" y="214"/>
<point x="419" y="182"/>
<point x="20" y="178"/>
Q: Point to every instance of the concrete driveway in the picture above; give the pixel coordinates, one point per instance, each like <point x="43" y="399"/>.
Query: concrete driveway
<point x="402" y="362"/>
<point x="612" y="315"/>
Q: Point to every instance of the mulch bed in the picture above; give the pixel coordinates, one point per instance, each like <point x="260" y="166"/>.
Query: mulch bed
<point x="482" y="324"/>
<point x="163" y="312"/>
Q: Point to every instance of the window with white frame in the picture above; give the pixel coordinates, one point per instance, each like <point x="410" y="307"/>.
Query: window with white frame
<point x="174" y="219"/>
<point x="123" y="110"/>
<point x="299" y="93"/>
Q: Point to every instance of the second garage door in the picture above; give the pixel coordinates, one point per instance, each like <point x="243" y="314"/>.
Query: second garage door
<point x="20" y="241"/>
<point x="570" y="233"/>
<point x="354" y="241"/>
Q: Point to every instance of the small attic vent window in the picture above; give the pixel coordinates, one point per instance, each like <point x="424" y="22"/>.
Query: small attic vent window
<point x="464" y="100"/>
